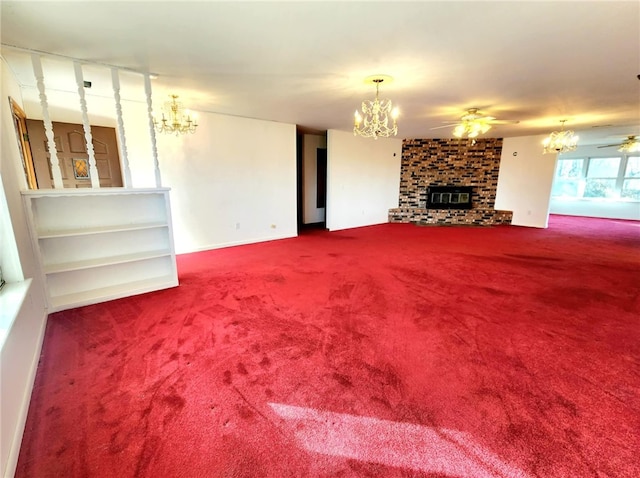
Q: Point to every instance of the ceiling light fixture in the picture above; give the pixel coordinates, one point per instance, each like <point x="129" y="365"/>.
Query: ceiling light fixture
<point x="471" y="125"/>
<point x="374" y="120"/>
<point x="561" y="141"/>
<point x="175" y="119"/>
<point x="630" y="145"/>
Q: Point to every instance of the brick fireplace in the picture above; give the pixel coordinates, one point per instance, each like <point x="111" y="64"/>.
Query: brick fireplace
<point x="454" y="164"/>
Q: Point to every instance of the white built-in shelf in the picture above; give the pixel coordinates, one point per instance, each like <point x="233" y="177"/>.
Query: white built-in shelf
<point x="95" y="245"/>
<point x="124" y="289"/>
<point x="104" y="261"/>
<point x="98" y="230"/>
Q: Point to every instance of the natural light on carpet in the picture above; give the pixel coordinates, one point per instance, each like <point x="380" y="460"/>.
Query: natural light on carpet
<point x="397" y="444"/>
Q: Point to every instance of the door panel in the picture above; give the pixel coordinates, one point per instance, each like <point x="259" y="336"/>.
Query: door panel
<point x="72" y="149"/>
<point x="75" y="140"/>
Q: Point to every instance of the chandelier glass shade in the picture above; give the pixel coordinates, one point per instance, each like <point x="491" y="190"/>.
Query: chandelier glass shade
<point x="561" y="141"/>
<point x="175" y="119"/>
<point x="378" y="117"/>
<point x="630" y="145"/>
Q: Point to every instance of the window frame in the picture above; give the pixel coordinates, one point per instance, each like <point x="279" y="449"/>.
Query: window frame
<point x="625" y="177"/>
<point x="582" y="180"/>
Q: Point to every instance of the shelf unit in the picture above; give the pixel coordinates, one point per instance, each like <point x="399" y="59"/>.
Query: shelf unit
<point x="95" y="245"/>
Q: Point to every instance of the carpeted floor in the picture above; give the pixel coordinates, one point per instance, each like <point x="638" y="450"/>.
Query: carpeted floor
<point x="385" y="351"/>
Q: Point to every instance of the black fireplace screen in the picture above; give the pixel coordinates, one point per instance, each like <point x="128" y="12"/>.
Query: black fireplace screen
<point x="449" y="197"/>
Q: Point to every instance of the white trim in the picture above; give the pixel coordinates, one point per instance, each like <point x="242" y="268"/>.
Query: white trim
<point x="236" y="243"/>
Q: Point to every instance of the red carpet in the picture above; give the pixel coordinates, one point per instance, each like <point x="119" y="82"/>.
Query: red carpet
<point x="385" y="351"/>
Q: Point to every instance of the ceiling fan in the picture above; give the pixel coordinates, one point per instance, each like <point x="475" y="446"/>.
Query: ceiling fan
<point x="629" y="145"/>
<point x="473" y="123"/>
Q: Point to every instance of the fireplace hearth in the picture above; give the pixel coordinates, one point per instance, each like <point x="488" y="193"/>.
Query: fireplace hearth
<point x="449" y="197"/>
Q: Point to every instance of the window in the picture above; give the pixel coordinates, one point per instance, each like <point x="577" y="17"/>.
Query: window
<point x="568" y="178"/>
<point x="602" y="174"/>
<point x="631" y="182"/>
<point x="608" y="178"/>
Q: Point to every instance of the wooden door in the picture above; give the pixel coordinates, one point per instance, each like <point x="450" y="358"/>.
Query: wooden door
<point x="72" y="154"/>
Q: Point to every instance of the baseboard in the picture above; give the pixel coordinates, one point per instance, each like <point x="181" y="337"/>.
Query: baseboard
<point x="237" y="243"/>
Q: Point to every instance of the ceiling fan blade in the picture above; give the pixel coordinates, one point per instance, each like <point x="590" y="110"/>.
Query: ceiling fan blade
<point x="445" y="126"/>
<point x="609" y="145"/>
<point x="504" y="121"/>
<point x="473" y="115"/>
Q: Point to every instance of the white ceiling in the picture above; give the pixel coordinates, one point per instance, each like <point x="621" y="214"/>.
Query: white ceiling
<point x="305" y="62"/>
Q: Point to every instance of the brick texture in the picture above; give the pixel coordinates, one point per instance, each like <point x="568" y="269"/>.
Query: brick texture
<point x="450" y="162"/>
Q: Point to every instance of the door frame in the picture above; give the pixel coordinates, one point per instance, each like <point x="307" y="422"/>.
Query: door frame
<point x="20" y="125"/>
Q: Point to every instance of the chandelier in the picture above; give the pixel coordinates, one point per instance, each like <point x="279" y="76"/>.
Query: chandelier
<point x="630" y="145"/>
<point x="374" y="120"/>
<point x="471" y="126"/>
<point x="175" y="119"/>
<point x="561" y="141"/>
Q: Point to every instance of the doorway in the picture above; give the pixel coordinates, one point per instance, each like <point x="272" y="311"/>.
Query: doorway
<point x="71" y="149"/>
<point x="312" y="180"/>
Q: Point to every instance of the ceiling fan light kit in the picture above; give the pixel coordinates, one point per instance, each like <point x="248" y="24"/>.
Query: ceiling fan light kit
<point x="630" y="145"/>
<point x="472" y="127"/>
<point x="473" y="123"/>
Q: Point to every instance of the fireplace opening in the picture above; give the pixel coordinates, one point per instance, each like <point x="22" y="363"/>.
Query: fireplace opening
<point x="449" y="197"/>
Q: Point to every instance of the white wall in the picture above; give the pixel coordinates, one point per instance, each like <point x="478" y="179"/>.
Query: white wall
<point x="232" y="182"/>
<point x="524" y="181"/>
<point x="21" y="348"/>
<point x="310" y="145"/>
<point x="363" y="179"/>
<point x="139" y="146"/>
<point x="595" y="207"/>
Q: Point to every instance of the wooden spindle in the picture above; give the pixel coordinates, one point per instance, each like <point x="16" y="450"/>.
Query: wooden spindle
<point x="152" y="131"/>
<point x="48" y="125"/>
<point x="115" y="82"/>
<point x="93" y="169"/>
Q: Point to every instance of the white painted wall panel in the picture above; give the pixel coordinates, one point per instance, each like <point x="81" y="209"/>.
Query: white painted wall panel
<point x="596" y="208"/>
<point x="363" y="179"/>
<point x="524" y="181"/>
<point x="232" y="182"/>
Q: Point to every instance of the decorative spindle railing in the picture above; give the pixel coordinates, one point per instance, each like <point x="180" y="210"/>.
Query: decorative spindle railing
<point x="36" y="60"/>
